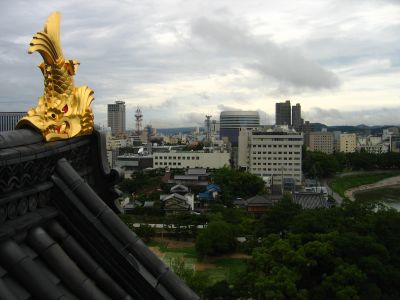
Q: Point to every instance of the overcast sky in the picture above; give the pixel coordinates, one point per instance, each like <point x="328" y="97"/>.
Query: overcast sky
<point x="181" y="60"/>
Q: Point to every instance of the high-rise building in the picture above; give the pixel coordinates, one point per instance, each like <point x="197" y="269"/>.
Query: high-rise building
<point x="231" y="121"/>
<point x="8" y="120"/>
<point x="321" y="142"/>
<point x="272" y="153"/>
<point x="230" y="124"/>
<point x="116" y="117"/>
<point x="307" y="129"/>
<point x="297" y="121"/>
<point x="283" y="113"/>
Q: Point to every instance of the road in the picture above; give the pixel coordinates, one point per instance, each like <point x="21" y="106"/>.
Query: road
<point x="338" y="199"/>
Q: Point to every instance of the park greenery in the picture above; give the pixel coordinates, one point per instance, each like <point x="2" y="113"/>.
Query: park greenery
<point x="322" y="165"/>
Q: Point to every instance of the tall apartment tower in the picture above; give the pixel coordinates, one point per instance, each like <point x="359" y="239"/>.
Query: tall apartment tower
<point x="116" y="117"/>
<point x="8" y="120"/>
<point x="297" y="122"/>
<point x="283" y="113"/>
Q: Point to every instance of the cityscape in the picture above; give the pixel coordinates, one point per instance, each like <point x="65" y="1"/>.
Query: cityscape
<point x="226" y="151"/>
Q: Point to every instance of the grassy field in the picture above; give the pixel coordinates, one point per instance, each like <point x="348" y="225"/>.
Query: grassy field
<point x="341" y="184"/>
<point x="225" y="269"/>
<point x="217" y="268"/>
<point x="390" y="196"/>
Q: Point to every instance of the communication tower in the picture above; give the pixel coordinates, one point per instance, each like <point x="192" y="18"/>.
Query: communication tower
<point x="139" y="119"/>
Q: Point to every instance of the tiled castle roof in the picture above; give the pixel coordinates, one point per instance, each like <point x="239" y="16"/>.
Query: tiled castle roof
<point x="60" y="237"/>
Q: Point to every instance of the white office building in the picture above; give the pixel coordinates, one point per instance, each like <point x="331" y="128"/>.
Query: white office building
<point x="191" y="159"/>
<point x="272" y="153"/>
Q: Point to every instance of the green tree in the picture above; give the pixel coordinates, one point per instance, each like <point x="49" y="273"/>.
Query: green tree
<point x="220" y="290"/>
<point x="278" y="219"/>
<point x="218" y="238"/>
<point x="320" y="165"/>
<point x="145" y="232"/>
<point x="235" y="183"/>
<point x="347" y="252"/>
<point x="198" y="281"/>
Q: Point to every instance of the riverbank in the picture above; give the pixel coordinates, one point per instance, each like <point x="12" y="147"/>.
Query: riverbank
<point x="341" y="184"/>
<point x="388" y="182"/>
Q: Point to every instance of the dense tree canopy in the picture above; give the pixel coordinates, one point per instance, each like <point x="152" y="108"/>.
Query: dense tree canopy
<point x="349" y="252"/>
<point x="236" y="183"/>
<point x="140" y="181"/>
<point x="317" y="164"/>
<point x="218" y="238"/>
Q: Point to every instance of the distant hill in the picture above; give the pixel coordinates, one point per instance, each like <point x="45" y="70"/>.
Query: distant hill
<point x="173" y="131"/>
<point x="360" y="129"/>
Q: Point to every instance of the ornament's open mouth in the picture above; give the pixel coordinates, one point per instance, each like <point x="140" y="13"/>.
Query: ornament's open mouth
<point x="56" y="129"/>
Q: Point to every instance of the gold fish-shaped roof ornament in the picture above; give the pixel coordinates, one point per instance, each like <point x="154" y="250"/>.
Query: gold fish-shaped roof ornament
<point x="64" y="110"/>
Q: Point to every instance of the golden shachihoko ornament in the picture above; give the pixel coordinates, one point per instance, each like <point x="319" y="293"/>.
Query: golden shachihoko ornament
<point x="64" y="110"/>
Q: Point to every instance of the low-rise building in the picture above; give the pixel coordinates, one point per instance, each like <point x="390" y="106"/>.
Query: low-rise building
<point x="192" y="177"/>
<point x="132" y="163"/>
<point x="309" y="200"/>
<point x="261" y="203"/>
<point x="176" y="203"/>
<point x="372" y="144"/>
<point x="191" y="159"/>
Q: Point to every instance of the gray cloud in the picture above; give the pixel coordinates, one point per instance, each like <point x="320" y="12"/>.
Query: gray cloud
<point x="227" y="107"/>
<point x="173" y="61"/>
<point x="193" y="118"/>
<point x="284" y="64"/>
<point x="378" y="116"/>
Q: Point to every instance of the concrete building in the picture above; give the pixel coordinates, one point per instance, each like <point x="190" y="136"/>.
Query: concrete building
<point x="8" y="120"/>
<point x="131" y="163"/>
<point x="297" y="121"/>
<point x="272" y="154"/>
<point x="347" y="142"/>
<point x="307" y="129"/>
<point x="372" y="144"/>
<point x="283" y="113"/>
<point x="116" y="117"/>
<point x="191" y="159"/>
<point x="390" y="132"/>
<point x="321" y="142"/>
<point x="231" y="121"/>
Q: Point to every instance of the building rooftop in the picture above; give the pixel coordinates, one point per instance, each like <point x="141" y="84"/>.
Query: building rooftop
<point x="310" y="200"/>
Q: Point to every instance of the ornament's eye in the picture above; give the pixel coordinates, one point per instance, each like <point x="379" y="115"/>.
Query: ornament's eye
<point x="53" y="116"/>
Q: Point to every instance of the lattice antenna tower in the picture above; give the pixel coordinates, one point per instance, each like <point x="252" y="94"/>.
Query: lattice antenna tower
<point x="139" y="119"/>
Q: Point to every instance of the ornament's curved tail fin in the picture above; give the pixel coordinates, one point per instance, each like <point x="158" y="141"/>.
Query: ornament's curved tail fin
<point x="47" y="42"/>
